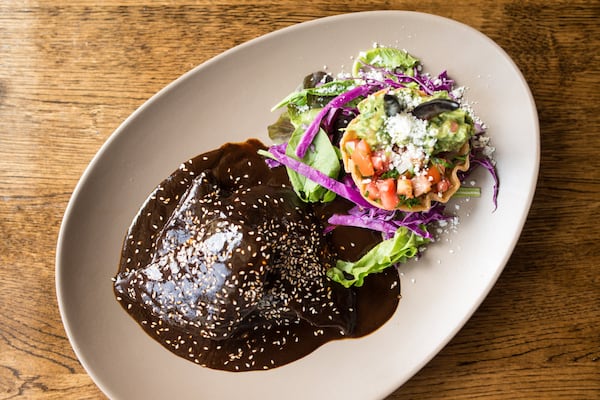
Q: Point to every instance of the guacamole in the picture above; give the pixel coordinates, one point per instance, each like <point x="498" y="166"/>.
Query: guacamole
<point x="385" y="130"/>
<point x="404" y="147"/>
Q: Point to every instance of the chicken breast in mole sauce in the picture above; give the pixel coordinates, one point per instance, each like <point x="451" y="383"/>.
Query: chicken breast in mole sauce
<point x="226" y="267"/>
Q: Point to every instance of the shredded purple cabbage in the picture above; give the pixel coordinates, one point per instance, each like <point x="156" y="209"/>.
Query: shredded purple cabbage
<point x="478" y="158"/>
<point x="363" y="222"/>
<point x="479" y="128"/>
<point x="337" y="102"/>
<point x="271" y="163"/>
<point x="426" y="83"/>
<point x="348" y="192"/>
<point x="442" y="82"/>
<point x="335" y="114"/>
<point x="417" y="79"/>
<point x="388" y="222"/>
<point x="487" y="164"/>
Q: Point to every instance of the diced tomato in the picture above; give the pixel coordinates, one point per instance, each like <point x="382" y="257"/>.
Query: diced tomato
<point x="387" y="193"/>
<point x="372" y="191"/>
<point x="379" y="162"/>
<point x="442" y="185"/>
<point x="433" y="174"/>
<point x="386" y="185"/>
<point x="421" y="185"/>
<point x="362" y="159"/>
<point x="404" y="187"/>
<point x="363" y="147"/>
<point x="453" y="126"/>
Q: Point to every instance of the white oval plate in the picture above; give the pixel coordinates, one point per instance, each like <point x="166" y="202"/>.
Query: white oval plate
<point x="229" y="99"/>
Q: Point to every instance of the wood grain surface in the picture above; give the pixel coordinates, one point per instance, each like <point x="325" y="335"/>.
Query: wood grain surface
<point x="71" y="72"/>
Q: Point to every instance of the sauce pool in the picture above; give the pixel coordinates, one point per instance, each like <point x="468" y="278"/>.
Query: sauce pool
<point x="224" y="266"/>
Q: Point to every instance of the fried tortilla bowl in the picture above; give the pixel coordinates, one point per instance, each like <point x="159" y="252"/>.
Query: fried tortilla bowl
<point x="425" y="199"/>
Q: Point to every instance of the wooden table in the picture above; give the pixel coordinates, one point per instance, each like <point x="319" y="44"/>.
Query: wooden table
<point x="71" y="72"/>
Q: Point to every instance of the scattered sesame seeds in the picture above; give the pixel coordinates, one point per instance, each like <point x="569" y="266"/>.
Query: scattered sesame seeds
<point x="200" y="275"/>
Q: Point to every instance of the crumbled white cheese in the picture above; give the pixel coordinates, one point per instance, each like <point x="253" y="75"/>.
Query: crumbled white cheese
<point x="406" y="128"/>
<point x="411" y="159"/>
<point x="303" y="109"/>
<point x="373" y="74"/>
<point x="411" y="136"/>
<point x="488" y="151"/>
<point x="483" y="142"/>
<point x="458" y="92"/>
<point x="407" y="98"/>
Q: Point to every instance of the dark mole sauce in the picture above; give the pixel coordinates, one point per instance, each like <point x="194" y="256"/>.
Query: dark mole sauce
<point x="225" y="266"/>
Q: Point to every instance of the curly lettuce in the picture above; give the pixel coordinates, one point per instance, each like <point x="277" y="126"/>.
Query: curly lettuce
<point x="403" y="246"/>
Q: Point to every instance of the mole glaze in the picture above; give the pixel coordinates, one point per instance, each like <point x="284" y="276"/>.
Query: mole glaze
<point x="225" y="266"/>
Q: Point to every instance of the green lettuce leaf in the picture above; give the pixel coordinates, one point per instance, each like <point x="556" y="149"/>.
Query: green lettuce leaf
<point x="321" y="156"/>
<point x="281" y="130"/>
<point x="404" y="245"/>
<point x="308" y="97"/>
<point x="385" y="57"/>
